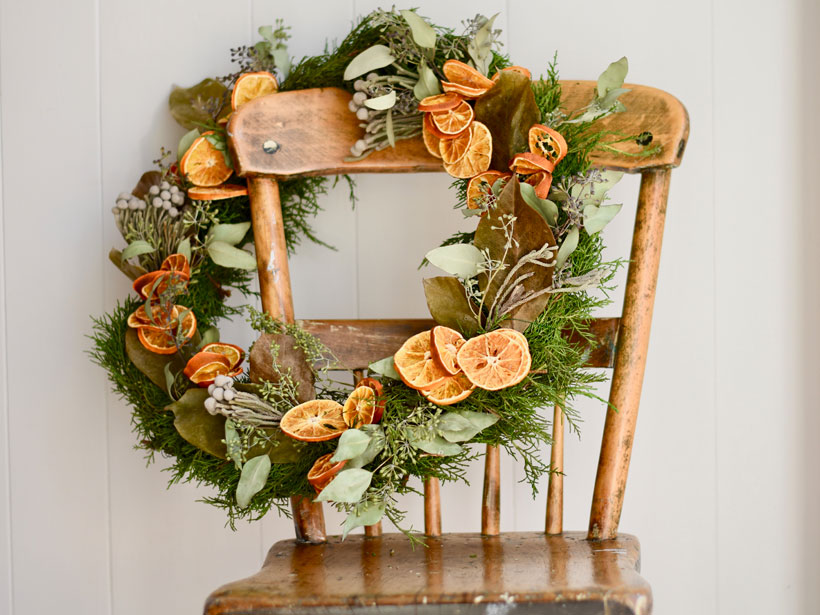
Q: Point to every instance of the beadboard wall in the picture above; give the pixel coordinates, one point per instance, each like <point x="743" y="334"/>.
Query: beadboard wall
<point x="723" y="492"/>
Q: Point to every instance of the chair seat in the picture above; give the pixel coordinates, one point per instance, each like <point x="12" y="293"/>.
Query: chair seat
<point x="456" y="573"/>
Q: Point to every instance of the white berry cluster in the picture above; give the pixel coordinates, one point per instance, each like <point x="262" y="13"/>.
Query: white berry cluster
<point x="356" y="105"/>
<point x="220" y="391"/>
<point x="169" y="197"/>
<point x="127" y="201"/>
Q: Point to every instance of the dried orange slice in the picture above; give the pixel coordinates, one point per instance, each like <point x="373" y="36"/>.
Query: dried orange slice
<point x="359" y="407"/>
<point x="416" y="365"/>
<point x="314" y="421"/>
<point x="152" y="283"/>
<point x="377" y="388"/>
<point x="451" y="391"/>
<point x="163" y="341"/>
<point x="453" y="121"/>
<point x="528" y="163"/>
<point x="203" y="164"/>
<point x="453" y="149"/>
<point x="177" y="263"/>
<point x="216" y="193"/>
<point x="440" y="102"/>
<point x="445" y="343"/>
<point x="430" y="136"/>
<point x="494" y="360"/>
<point x="541" y="181"/>
<point x="324" y="471"/>
<point x="477" y="158"/>
<point x="159" y="318"/>
<point x="516" y="69"/>
<point x="464" y="74"/>
<point x="252" y="85"/>
<point x="481" y="186"/>
<point x="547" y="142"/>
<point x="205" y="366"/>
<point x="233" y="353"/>
<point x="465" y="91"/>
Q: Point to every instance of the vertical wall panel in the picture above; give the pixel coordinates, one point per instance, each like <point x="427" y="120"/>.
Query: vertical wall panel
<point x="51" y="184"/>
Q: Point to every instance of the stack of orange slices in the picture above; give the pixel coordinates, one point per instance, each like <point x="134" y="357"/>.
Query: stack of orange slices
<point x="449" y="130"/>
<point x="215" y="359"/>
<point x="446" y="368"/>
<point x="547" y="148"/>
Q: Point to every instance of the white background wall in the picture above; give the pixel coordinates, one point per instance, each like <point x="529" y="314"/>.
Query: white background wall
<point x="723" y="491"/>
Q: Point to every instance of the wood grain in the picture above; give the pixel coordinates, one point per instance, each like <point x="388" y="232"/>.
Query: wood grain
<point x="432" y="507"/>
<point x="630" y="360"/>
<point x="565" y="574"/>
<point x="491" y="495"/>
<point x="555" y="487"/>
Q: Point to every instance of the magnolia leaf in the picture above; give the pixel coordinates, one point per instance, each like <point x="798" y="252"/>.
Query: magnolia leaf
<point x="229" y="233"/>
<point x="149" y="363"/>
<point x="385" y="367"/>
<point x="193" y="106"/>
<point x="428" y="84"/>
<point x="380" y="103"/>
<point x="596" y="218"/>
<point x="449" y="305"/>
<point x="567" y="247"/>
<point x="132" y="271"/>
<point x="463" y="425"/>
<point x="136" y="248"/>
<point x="508" y="110"/>
<point x="367" y="513"/>
<point x="233" y="443"/>
<point x="388" y="127"/>
<point x="225" y="255"/>
<point x="479" y="48"/>
<point x="352" y="443"/>
<point x="196" y="425"/>
<point x="377" y="56"/>
<point x="595" y="193"/>
<point x="348" y="487"/>
<point x="613" y="77"/>
<point x="253" y="478"/>
<point x="184" y="248"/>
<point x="186" y="141"/>
<point x="461" y="259"/>
<point x="433" y="444"/>
<point x="210" y="336"/>
<point x="545" y="207"/>
<point x="374" y="447"/>
<point x="423" y="32"/>
<point x="147" y="179"/>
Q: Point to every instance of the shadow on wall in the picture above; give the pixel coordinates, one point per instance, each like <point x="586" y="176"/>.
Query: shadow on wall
<point x="809" y="92"/>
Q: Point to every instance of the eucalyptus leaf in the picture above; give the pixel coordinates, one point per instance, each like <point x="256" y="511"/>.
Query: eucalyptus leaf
<point x="464" y="425"/>
<point x="428" y="83"/>
<point x="596" y="218"/>
<point x="196" y="425"/>
<point x="209" y="336"/>
<point x="184" y="248"/>
<point x="609" y="100"/>
<point x="191" y="107"/>
<point x="348" y="487"/>
<point x="567" y="247"/>
<point x="136" y="248"/>
<point x="281" y="59"/>
<point x="374" y="447"/>
<point x="352" y="443"/>
<point x="388" y="127"/>
<point x="613" y="77"/>
<point x="252" y="480"/>
<point x="368" y="513"/>
<point x="423" y="33"/>
<point x="449" y="305"/>
<point x="462" y="259"/>
<point x="170" y="379"/>
<point x="186" y="141"/>
<point x="435" y="445"/>
<point x="385" y="367"/>
<point x="372" y="58"/>
<point x="131" y="271"/>
<point x="233" y="443"/>
<point x="225" y="255"/>
<point x="229" y="233"/>
<point x="595" y="193"/>
<point x="545" y="207"/>
<point x="380" y="103"/>
<point x="149" y="363"/>
<point x="480" y="47"/>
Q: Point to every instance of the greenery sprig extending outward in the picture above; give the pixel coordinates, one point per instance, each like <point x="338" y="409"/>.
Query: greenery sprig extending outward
<point x="529" y="266"/>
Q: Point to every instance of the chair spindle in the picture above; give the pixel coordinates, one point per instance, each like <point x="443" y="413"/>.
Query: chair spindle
<point x="491" y="499"/>
<point x="555" y="489"/>
<point x="432" y="507"/>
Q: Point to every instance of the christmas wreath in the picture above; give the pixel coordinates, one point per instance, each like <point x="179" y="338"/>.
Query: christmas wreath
<point x="512" y="336"/>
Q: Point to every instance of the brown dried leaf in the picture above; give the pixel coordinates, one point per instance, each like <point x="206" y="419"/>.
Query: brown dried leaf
<point x="449" y="305"/>
<point x="289" y="356"/>
<point x="149" y="363"/>
<point x="196" y="425"/>
<point x="148" y="179"/>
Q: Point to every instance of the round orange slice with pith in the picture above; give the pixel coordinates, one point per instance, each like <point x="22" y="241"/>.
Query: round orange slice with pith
<point x="453" y="149"/>
<point x="164" y="340"/>
<point x="217" y="193"/>
<point x="252" y="85"/>
<point x="154" y="283"/>
<point x="205" y="366"/>
<point x="452" y="121"/>
<point x="377" y="388"/>
<point x="234" y="354"/>
<point x="440" y="102"/>
<point x="360" y="407"/>
<point x="494" y="360"/>
<point x="314" y="421"/>
<point x="430" y="136"/>
<point x="324" y="471"/>
<point x="547" y="142"/>
<point x="463" y="79"/>
<point x="541" y="181"/>
<point x="416" y="365"/>
<point x="445" y="343"/>
<point x="451" y="390"/>
<point x="203" y="164"/>
<point x="480" y="187"/>
<point x="477" y="158"/>
<point x="177" y="263"/>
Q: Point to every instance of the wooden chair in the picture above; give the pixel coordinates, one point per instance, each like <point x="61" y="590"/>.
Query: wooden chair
<point x="286" y="134"/>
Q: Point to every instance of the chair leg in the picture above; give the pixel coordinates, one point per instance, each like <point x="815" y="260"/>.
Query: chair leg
<point x="491" y="501"/>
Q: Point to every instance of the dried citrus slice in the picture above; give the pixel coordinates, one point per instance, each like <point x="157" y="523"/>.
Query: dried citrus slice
<point x="359" y="407"/>
<point x="516" y="69"/>
<point x="177" y="263"/>
<point x="234" y="354"/>
<point x="481" y="186"/>
<point x="453" y="149"/>
<point x="252" y="85"/>
<point x="159" y="318"/>
<point x="547" y="142"/>
<point x="452" y="390"/>
<point x="324" y="471"/>
<point x="203" y="164"/>
<point x="464" y="74"/>
<point x="528" y="163"/>
<point x="453" y="121"/>
<point x="541" y="181"/>
<point x="477" y="158"/>
<point x="445" y="343"/>
<point x="465" y="91"/>
<point x="152" y="283"/>
<point x="314" y="421"/>
<point x="216" y="193"/>
<point x="205" y="366"/>
<point x="377" y="388"/>
<point x="494" y="360"/>
<point x="415" y="363"/>
<point x="163" y="341"/>
<point x="440" y="102"/>
<point x="430" y="136"/>
<point x="521" y="339"/>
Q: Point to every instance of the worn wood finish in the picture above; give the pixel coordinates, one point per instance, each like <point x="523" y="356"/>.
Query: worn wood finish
<point x="308" y="519"/>
<point x="491" y="496"/>
<point x="555" y="487"/>
<point x="289" y="133"/>
<point x="630" y="361"/>
<point x="432" y="507"/>
<point x="357" y="343"/>
<point x="464" y="573"/>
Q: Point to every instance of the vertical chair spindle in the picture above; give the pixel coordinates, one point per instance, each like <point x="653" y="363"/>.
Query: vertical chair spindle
<point x="432" y="507"/>
<point x="491" y="498"/>
<point x="555" y="489"/>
